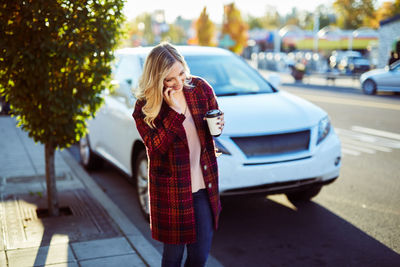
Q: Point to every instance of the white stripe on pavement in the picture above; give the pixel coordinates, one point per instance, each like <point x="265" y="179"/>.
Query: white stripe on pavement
<point x="368" y="138"/>
<point x="361" y="149"/>
<point x="347" y="140"/>
<point x="350" y="152"/>
<point x="376" y="132"/>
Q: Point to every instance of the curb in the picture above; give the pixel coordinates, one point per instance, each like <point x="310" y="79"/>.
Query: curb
<point x="139" y="243"/>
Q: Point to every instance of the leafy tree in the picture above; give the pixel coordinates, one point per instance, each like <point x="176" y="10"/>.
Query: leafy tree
<point x="176" y="34"/>
<point x="254" y="22"/>
<point x="384" y="11"/>
<point x="353" y="14"/>
<point x="293" y="18"/>
<point x="325" y="18"/>
<point x="54" y="62"/>
<point x="396" y="8"/>
<point x="271" y="19"/>
<point x="205" y="29"/>
<point x="235" y="27"/>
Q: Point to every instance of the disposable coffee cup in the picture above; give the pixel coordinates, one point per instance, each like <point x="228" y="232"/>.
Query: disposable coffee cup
<point x="212" y="119"/>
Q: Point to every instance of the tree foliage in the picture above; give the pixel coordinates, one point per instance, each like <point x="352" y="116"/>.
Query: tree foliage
<point x="205" y="29"/>
<point x="384" y="11"/>
<point x="55" y="60"/>
<point x="176" y="34"/>
<point x="353" y="14"/>
<point x="396" y="8"/>
<point x="235" y="27"/>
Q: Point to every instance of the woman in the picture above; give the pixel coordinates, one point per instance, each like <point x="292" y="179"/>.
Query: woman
<point x="183" y="172"/>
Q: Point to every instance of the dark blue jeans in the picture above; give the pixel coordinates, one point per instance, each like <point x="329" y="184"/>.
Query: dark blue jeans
<point x="197" y="253"/>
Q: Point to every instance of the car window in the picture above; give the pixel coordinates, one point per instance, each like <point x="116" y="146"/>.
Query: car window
<point x="128" y="69"/>
<point x="228" y="75"/>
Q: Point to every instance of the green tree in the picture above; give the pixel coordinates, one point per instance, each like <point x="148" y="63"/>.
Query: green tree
<point x="396" y="8"/>
<point x="235" y="27"/>
<point x="385" y="11"/>
<point x="205" y="29"/>
<point x="293" y="18"/>
<point x="54" y="62"/>
<point x="352" y="14"/>
<point x="271" y="19"/>
<point x="254" y="22"/>
<point x="325" y="18"/>
<point x="176" y="34"/>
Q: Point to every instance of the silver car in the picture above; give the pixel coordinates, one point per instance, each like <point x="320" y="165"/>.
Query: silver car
<point x="387" y="79"/>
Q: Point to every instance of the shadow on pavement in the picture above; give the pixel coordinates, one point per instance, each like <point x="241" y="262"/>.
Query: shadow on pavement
<point x="260" y="232"/>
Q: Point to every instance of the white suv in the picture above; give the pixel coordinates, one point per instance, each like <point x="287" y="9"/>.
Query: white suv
<point x="273" y="142"/>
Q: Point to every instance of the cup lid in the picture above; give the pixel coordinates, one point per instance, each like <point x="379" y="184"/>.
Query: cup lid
<point x="213" y="113"/>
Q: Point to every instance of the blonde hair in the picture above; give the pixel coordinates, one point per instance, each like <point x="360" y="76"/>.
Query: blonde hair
<point x="151" y="83"/>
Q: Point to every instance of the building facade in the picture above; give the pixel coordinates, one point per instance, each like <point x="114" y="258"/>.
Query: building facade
<point x="389" y="35"/>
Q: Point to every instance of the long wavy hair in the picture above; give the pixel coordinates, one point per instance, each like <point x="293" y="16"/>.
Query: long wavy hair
<point x="151" y="83"/>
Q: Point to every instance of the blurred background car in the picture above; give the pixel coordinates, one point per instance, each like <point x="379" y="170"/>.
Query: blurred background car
<point x="273" y="142"/>
<point x="354" y="65"/>
<point x="387" y="79"/>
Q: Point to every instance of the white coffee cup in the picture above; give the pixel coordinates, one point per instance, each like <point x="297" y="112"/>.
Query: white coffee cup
<point x="212" y="119"/>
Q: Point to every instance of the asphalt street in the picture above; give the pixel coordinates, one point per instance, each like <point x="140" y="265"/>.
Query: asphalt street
<point x="353" y="222"/>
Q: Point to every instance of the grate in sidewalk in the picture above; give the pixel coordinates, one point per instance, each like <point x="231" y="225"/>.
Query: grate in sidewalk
<point x="23" y="228"/>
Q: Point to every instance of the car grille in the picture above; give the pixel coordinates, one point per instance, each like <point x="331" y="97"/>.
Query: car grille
<point x="268" y="145"/>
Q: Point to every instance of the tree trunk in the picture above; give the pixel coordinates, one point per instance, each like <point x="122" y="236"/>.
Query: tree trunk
<point x="52" y="199"/>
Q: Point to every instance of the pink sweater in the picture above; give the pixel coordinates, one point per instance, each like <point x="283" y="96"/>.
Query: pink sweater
<point x="194" y="153"/>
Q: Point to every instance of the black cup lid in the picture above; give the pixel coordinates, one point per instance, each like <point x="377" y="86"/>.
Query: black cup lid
<point x="213" y="113"/>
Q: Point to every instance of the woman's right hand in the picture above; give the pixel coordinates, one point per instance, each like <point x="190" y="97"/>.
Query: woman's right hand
<point x="171" y="99"/>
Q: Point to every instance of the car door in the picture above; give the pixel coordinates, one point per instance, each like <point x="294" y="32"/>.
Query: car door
<point x="391" y="80"/>
<point x="119" y="105"/>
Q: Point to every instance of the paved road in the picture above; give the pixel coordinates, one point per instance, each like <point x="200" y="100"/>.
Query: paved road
<point x="352" y="222"/>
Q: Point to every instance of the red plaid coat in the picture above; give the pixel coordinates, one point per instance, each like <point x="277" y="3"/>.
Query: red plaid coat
<point x="171" y="202"/>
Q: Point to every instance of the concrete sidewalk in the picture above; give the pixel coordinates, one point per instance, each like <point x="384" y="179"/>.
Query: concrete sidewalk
<point x="92" y="230"/>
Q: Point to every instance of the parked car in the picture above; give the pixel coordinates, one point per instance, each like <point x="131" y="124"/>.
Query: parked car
<point x="273" y="141"/>
<point x="354" y="65"/>
<point x="387" y="79"/>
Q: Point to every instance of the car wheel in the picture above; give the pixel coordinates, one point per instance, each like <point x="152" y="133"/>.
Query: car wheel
<point x="89" y="159"/>
<point x="142" y="182"/>
<point x="303" y="195"/>
<point x="369" y="87"/>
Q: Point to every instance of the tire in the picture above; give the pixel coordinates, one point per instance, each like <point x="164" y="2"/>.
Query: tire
<point x="303" y="195"/>
<point x="140" y="176"/>
<point x="89" y="159"/>
<point x="369" y="87"/>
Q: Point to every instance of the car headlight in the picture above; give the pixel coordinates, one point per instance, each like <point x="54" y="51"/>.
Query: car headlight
<point x="324" y="127"/>
<point x="220" y="148"/>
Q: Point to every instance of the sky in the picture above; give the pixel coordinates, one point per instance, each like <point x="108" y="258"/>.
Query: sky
<point x="191" y="9"/>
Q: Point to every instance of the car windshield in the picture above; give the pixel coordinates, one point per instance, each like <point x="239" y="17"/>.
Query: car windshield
<point x="228" y="75"/>
<point x="395" y="65"/>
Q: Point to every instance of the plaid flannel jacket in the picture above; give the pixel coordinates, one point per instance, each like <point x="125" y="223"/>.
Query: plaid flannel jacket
<point x="171" y="202"/>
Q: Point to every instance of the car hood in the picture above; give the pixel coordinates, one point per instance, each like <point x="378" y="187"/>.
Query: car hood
<point x="267" y="113"/>
<point x="376" y="72"/>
